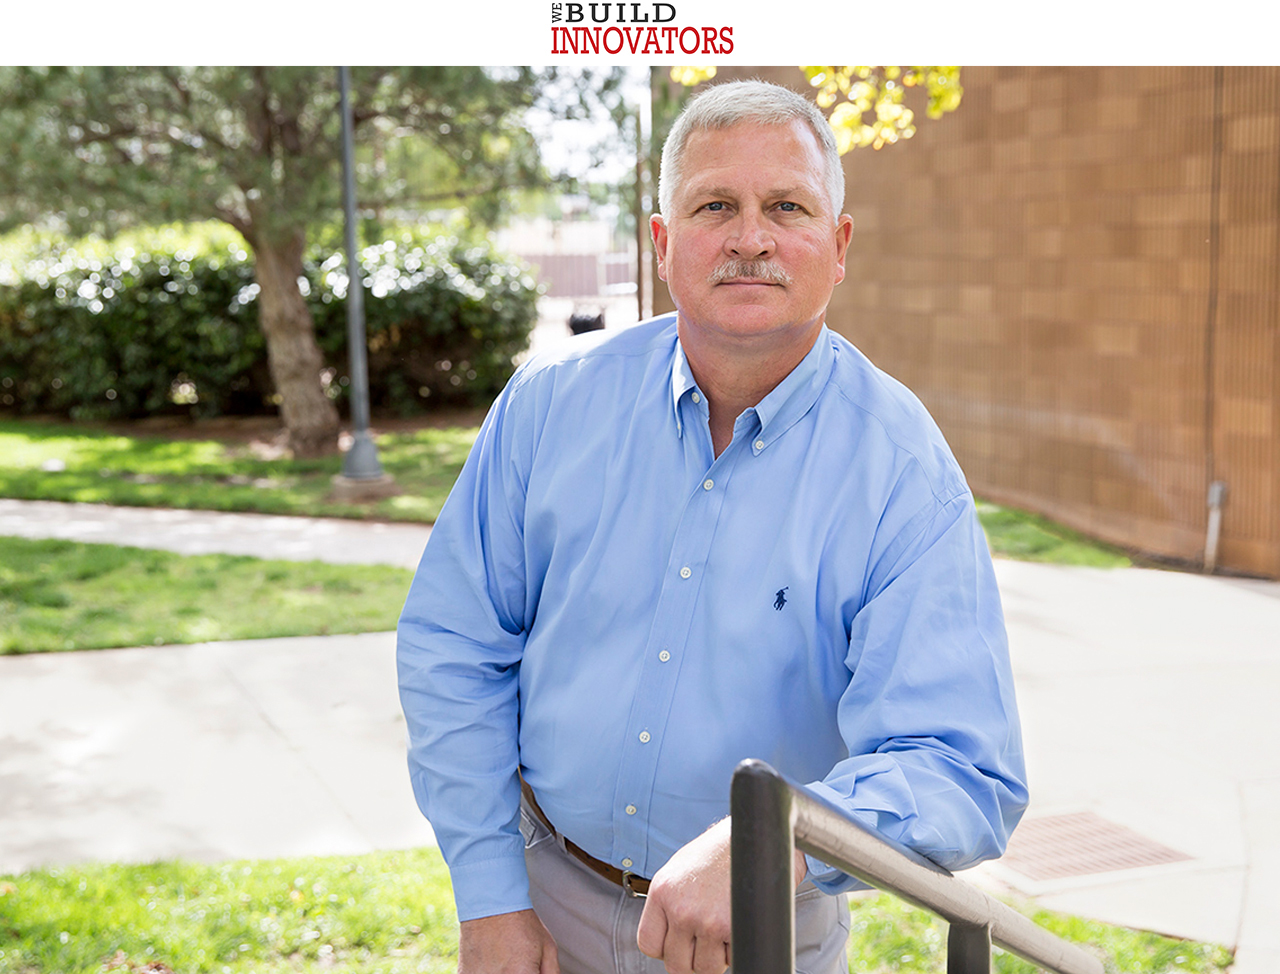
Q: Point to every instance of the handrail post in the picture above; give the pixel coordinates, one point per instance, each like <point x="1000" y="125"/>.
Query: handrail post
<point x="762" y="851"/>
<point x="968" y="949"/>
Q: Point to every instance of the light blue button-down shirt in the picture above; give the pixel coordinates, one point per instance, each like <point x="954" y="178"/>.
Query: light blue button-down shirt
<point x="608" y="606"/>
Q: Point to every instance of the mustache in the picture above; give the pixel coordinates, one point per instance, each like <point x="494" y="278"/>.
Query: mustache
<point x="752" y="270"/>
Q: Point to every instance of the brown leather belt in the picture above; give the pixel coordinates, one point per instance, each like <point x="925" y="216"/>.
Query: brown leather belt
<point x="633" y="884"/>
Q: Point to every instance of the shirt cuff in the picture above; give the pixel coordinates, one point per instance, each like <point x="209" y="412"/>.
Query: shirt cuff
<point x="826" y="877"/>
<point x="829" y="879"/>
<point x="490" y="887"/>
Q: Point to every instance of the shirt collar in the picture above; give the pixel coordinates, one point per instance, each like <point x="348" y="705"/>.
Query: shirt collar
<point x="682" y="382"/>
<point x="789" y="400"/>
<point x="795" y="395"/>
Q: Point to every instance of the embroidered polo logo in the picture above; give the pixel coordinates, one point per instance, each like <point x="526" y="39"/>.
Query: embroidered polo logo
<point x="780" y="599"/>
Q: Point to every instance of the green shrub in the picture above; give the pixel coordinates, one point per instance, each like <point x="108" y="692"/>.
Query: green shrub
<point x="135" y="334"/>
<point x="444" y="320"/>
<point x="95" y="334"/>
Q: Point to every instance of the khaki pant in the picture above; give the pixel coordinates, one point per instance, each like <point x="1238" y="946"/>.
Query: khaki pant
<point x="595" y="922"/>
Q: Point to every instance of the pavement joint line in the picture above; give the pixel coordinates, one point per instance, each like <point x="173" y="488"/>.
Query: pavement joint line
<point x="289" y="742"/>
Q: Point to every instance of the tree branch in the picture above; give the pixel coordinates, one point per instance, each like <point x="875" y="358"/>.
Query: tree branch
<point x="240" y="222"/>
<point x="258" y="115"/>
<point x="175" y="82"/>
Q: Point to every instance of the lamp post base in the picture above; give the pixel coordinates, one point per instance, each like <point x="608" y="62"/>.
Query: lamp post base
<point x="352" y="490"/>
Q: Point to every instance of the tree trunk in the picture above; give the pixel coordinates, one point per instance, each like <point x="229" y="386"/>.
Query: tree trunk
<point x="310" y="418"/>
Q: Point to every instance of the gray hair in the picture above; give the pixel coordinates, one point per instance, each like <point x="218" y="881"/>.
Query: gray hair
<point x="734" y="103"/>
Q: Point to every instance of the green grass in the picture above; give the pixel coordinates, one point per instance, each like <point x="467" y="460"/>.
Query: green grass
<point x="889" y="937"/>
<point x="150" y="471"/>
<point x="385" y="912"/>
<point x="393" y="912"/>
<point x="208" y="474"/>
<point x="1029" y="537"/>
<point x="62" y="595"/>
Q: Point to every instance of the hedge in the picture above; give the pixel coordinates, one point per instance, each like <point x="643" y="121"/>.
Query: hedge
<point x="143" y="333"/>
<point x="443" y="320"/>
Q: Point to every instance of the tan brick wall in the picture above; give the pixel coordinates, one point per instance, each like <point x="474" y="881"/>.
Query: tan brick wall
<point x="1079" y="274"/>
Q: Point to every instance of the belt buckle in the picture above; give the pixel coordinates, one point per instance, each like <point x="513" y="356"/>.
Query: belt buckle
<point x="626" y="885"/>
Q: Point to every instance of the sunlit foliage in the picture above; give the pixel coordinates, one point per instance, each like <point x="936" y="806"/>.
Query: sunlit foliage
<point x="867" y="103"/>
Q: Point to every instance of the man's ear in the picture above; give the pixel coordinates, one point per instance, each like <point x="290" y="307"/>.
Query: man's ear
<point x="844" y="233"/>
<point x="658" y="229"/>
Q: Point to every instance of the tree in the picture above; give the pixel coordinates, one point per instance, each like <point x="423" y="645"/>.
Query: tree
<point x="868" y="103"/>
<point x="259" y="148"/>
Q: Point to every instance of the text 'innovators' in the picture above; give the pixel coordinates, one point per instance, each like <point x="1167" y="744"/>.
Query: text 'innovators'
<point x="637" y="28"/>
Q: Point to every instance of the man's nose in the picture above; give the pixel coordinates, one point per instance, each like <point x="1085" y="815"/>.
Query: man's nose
<point x="750" y="237"/>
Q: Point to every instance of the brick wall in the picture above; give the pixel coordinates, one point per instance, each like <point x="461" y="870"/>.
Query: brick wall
<point x="1078" y="273"/>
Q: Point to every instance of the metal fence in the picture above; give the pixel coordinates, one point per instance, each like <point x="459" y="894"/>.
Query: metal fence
<point x="772" y="817"/>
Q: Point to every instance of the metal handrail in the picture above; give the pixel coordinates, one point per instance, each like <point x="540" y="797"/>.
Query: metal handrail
<point x="772" y="817"/>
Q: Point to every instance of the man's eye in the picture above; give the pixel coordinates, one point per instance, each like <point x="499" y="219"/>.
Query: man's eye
<point x="714" y="207"/>
<point x="789" y="207"/>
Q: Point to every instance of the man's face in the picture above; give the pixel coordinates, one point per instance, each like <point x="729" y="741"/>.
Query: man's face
<point x="751" y="248"/>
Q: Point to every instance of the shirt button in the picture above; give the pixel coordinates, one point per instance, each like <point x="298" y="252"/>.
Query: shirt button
<point x="631" y="809"/>
<point x="664" y="656"/>
<point x="759" y="444"/>
<point x="626" y="863"/>
<point x="697" y="398"/>
<point x="644" y="737"/>
<point x="686" y="572"/>
<point x="708" y="484"/>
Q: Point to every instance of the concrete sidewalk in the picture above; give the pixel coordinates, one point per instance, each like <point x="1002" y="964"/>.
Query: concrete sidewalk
<point x="1146" y="700"/>
<point x="338" y="540"/>
<point x="262" y="748"/>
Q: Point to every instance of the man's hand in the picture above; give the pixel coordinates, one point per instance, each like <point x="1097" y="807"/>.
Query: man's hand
<point x="508" y="943"/>
<point x="686" y="918"/>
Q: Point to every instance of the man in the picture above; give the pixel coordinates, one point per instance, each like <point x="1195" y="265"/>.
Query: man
<point x="717" y="535"/>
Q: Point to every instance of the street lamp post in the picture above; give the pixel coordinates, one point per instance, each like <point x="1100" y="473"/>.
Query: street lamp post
<point x="361" y="471"/>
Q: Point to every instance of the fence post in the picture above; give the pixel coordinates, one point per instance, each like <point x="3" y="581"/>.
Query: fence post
<point x="968" y="949"/>
<point x="762" y="851"/>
